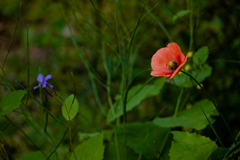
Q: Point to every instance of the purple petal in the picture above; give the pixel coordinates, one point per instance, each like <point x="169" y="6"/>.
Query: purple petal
<point x="49" y="86"/>
<point x="40" y="78"/>
<point x="44" y="84"/>
<point x="47" y="77"/>
<point x="36" y="86"/>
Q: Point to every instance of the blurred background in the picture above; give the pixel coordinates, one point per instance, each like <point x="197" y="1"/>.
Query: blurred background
<point x="51" y="51"/>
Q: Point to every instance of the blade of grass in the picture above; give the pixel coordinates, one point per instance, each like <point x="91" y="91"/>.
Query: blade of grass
<point x="191" y="24"/>
<point x="212" y="127"/>
<point x="178" y="103"/>
<point x="26" y="136"/>
<point x="218" y="109"/>
<point x="20" y="6"/>
<point x="124" y="110"/>
<point x="91" y="123"/>
<point x="91" y="76"/>
<point x="133" y="35"/>
<point x="42" y="106"/>
<point x="160" y="24"/>
<point x="59" y="142"/>
<point x="101" y="16"/>
<point x="94" y="28"/>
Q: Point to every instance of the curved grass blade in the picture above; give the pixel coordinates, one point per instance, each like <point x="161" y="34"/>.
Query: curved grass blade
<point x="20" y="6"/>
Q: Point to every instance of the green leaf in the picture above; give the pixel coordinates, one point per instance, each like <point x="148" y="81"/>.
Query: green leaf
<point x="200" y="75"/>
<point x="135" y="95"/>
<point x="201" y="55"/>
<point x="37" y="156"/>
<point x="70" y="108"/>
<point x="191" y="118"/>
<point x="189" y="146"/>
<point x="144" y="138"/>
<point x="180" y="14"/>
<point x="11" y="101"/>
<point x="91" y="149"/>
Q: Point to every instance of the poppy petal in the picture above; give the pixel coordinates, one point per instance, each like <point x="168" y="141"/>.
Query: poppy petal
<point x="176" y="51"/>
<point x="179" y="68"/>
<point x="161" y="59"/>
<point x="160" y="73"/>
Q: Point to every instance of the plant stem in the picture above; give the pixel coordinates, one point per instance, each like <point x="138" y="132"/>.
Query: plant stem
<point x="191" y="25"/>
<point x="218" y="109"/>
<point x="178" y="103"/>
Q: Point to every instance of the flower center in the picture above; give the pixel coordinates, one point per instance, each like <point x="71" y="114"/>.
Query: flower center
<point x="172" y="65"/>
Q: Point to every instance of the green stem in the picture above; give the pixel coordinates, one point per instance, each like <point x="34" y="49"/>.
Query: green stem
<point x="116" y="143"/>
<point x="27" y="136"/>
<point x="59" y="142"/>
<point x="70" y="141"/>
<point x="212" y="128"/>
<point x="191" y="25"/>
<point x="20" y="6"/>
<point x="90" y="122"/>
<point x="178" y="103"/>
<point x="218" y="109"/>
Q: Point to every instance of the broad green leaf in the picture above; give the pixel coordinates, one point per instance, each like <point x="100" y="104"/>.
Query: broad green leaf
<point x="38" y="156"/>
<point x="11" y="101"/>
<point x="189" y="146"/>
<point x="69" y="109"/>
<point x="144" y="138"/>
<point x="191" y="118"/>
<point x="91" y="149"/>
<point x="180" y="14"/>
<point x="135" y="96"/>
<point x="201" y="55"/>
<point x="200" y="74"/>
<point x="219" y="153"/>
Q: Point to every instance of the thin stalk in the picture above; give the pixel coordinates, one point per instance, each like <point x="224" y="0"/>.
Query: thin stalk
<point x="5" y="153"/>
<point x="28" y="66"/>
<point x="59" y="142"/>
<point x="27" y="137"/>
<point x="159" y="23"/>
<point x="20" y="6"/>
<point x="116" y="143"/>
<point x="191" y="24"/>
<point x="101" y="16"/>
<point x="91" y="75"/>
<point x="178" y="103"/>
<point x="123" y="82"/>
<point x="133" y="35"/>
<point x="90" y="122"/>
<point x="42" y="106"/>
<point x="70" y="141"/>
<point x="46" y="116"/>
<point x="108" y="79"/>
<point x="7" y="80"/>
<point x="124" y="98"/>
<point x="218" y="109"/>
<point x="212" y="128"/>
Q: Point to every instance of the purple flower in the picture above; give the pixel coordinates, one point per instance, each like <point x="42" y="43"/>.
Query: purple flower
<point x="43" y="81"/>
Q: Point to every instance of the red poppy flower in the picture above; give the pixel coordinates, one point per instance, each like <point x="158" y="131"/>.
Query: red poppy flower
<point x="168" y="61"/>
